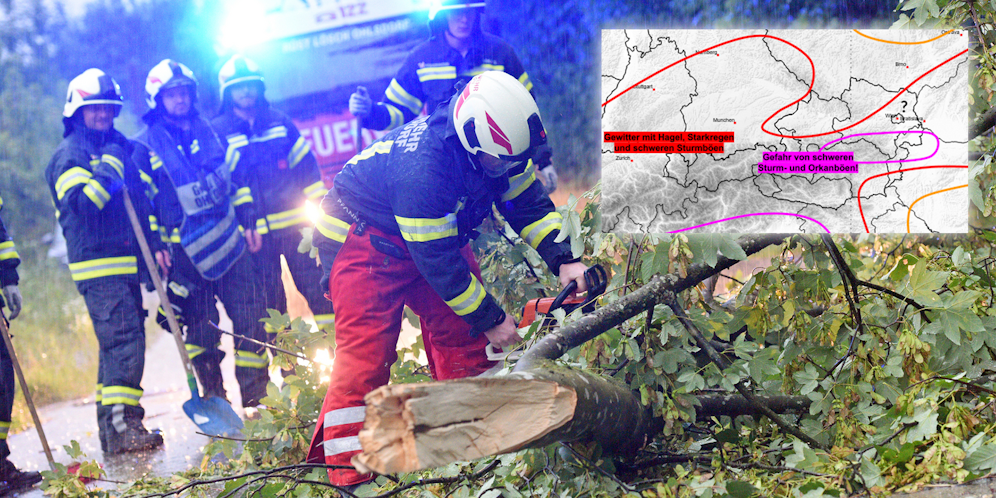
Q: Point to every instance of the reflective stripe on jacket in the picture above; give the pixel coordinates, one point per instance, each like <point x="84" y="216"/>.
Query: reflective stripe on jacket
<point x="195" y="193"/>
<point x="418" y="182"/>
<point x="427" y="76"/>
<point x="280" y="170"/>
<point x="85" y="184"/>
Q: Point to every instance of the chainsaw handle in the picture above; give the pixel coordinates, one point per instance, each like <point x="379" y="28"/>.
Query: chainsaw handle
<point x="559" y="300"/>
<point x="595" y="279"/>
<point x="502" y="356"/>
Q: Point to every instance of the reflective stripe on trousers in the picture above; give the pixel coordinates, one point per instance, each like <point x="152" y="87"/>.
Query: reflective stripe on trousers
<point x="370" y="295"/>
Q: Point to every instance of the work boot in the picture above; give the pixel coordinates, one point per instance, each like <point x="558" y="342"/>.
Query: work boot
<point x="102" y="426"/>
<point x="134" y="438"/>
<point x="12" y="479"/>
<point x="209" y="373"/>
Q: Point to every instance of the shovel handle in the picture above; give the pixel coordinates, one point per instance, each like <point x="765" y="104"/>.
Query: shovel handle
<point x="24" y="390"/>
<point x="150" y="263"/>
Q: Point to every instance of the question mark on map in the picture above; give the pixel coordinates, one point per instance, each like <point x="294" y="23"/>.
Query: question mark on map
<point x="904" y="105"/>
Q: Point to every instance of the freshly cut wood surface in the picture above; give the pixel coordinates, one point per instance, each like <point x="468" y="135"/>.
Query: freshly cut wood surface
<point x="415" y="426"/>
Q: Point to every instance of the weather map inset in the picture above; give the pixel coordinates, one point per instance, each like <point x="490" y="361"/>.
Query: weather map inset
<point x="764" y="131"/>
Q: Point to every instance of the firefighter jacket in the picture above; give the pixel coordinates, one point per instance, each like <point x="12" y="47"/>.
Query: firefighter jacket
<point x="9" y="259"/>
<point x="195" y="198"/>
<point x="418" y="181"/>
<point x="85" y="177"/>
<point x="277" y="163"/>
<point x="429" y="73"/>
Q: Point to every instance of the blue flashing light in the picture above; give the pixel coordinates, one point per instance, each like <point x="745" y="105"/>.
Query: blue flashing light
<point x="244" y="24"/>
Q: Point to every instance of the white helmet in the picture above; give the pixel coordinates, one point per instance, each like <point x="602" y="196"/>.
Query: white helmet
<point x="168" y="74"/>
<point x="91" y="87"/>
<point x="238" y="69"/>
<point x="495" y="114"/>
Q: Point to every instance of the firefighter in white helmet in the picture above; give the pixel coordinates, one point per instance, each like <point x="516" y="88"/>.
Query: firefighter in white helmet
<point x="198" y="209"/>
<point x="457" y="50"/>
<point x="397" y="224"/>
<point x="283" y="177"/>
<point x="85" y="177"/>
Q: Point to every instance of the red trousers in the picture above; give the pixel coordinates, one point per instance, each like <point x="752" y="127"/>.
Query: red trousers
<point x="370" y="290"/>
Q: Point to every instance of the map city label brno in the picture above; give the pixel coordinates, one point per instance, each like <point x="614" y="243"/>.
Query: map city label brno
<point x="763" y="131"/>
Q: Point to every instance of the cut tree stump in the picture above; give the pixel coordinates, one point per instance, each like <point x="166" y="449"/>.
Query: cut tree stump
<point x="416" y="426"/>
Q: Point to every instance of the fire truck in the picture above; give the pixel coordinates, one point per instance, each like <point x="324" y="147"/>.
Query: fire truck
<point x="314" y="53"/>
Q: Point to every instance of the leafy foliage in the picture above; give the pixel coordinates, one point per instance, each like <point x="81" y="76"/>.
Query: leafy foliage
<point x="895" y="349"/>
<point x="892" y="339"/>
<point x="978" y="18"/>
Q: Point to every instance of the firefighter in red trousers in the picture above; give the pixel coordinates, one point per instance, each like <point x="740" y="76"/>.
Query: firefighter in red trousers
<point x="397" y="224"/>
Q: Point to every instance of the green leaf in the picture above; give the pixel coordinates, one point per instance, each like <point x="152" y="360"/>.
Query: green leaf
<point x="923" y="282"/>
<point x="703" y="248"/>
<point x="871" y="474"/>
<point x="902" y="267"/>
<point x="959" y="257"/>
<point x="982" y="460"/>
<point x="728" y="247"/>
<point x="729" y="435"/>
<point x="902" y="23"/>
<point x="741" y="489"/>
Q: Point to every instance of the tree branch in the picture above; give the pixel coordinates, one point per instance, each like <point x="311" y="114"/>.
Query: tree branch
<point x="718" y="359"/>
<point x="554" y="345"/>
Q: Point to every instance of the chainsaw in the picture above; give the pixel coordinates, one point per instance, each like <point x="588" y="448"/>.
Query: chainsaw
<point x="596" y="280"/>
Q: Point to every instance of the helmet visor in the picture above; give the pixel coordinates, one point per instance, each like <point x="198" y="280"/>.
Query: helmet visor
<point x="495" y="167"/>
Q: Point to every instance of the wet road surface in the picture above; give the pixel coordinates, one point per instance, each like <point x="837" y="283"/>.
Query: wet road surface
<point x="165" y="389"/>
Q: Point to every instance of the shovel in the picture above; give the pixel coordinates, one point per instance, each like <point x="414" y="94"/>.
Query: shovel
<point x="214" y="416"/>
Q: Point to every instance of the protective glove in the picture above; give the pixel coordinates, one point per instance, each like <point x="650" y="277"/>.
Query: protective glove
<point x="118" y="153"/>
<point x="360" y="103"/>
<point x="324" y="285"/>
<point x="548" y="176"/>
<point x="12" y="295"/>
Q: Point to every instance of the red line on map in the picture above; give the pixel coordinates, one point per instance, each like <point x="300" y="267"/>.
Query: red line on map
<point x="861" y="210"/>
<point x="720" y="45"/>
<point x="810" y="89"/>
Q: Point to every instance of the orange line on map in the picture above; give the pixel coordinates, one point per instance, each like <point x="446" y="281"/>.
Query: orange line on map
<point x="921" y="198"/>
<point x="905" y="43"/>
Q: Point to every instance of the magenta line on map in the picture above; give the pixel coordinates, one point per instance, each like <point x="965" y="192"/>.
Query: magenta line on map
<point x="892" y="133"/>
<point x="752" y="214"/>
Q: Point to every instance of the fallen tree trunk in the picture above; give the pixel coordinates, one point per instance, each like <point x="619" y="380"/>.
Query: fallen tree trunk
<point x="735" y="405"/>
<point x="414" y="426"/>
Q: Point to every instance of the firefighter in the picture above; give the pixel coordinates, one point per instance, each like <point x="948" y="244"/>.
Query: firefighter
<point x="198" y="209"/>
<point x="85" y="178"/>
<point x="11" y="478"/>
<point x="458" y="49"/>
<point x="283" y="176"/>
<point x="397" y="224"/>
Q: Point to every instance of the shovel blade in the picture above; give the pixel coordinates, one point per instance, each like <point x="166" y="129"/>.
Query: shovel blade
<point x="214" y="416"/>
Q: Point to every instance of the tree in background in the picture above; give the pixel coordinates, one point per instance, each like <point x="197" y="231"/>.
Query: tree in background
<point x="31" y="95"/>
<point x="127" y="38"/>
<point x="41" y="50"/>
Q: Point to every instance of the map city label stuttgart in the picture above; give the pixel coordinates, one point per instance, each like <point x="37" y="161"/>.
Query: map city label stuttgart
<point x="764" y="131"/>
